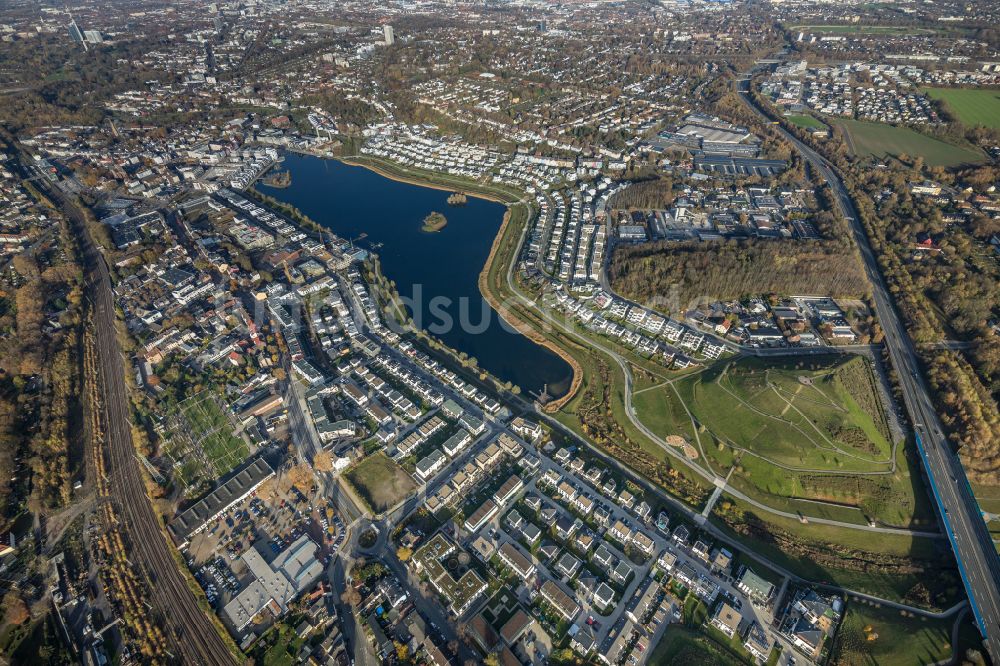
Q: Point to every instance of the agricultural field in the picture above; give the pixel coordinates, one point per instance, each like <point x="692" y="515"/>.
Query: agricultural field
<point x="886" y="637"/>
<point x="808" y="122"/>
<point x="808" y="436"/>
<point x="972" y="106"/>
<point x="201" y="441"/>
<point x="380" y="482"/>
<point x="881" y="140"/>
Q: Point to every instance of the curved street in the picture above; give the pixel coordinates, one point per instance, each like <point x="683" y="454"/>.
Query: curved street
<point x="967" y="532"/>
<point x="714" y="479"/>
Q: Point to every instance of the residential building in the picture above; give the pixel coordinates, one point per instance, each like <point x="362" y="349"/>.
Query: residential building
<point x="727" y="619"/>
<point x="517" y="561"/>
<point x="561" y="601"/>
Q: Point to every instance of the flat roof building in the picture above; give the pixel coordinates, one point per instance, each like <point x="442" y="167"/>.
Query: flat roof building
<point x="481" y="516"/>
<point x="516" y="560"/>
<point x="197" y="517"/>
<point x="274" y="585"/>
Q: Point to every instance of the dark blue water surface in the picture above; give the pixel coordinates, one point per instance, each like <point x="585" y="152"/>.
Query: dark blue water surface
<point x="438" y="271"/>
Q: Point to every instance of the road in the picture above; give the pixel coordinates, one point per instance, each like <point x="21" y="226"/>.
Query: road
<point x="673" y="451"/>
<point x="193" y="635"/>
<point x="974" y="549"/>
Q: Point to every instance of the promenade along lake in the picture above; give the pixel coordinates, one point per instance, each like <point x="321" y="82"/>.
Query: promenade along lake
<point x="436" y="272"/>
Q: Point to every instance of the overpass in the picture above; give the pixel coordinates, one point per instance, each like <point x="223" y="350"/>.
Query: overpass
<point x="962" y="519"/>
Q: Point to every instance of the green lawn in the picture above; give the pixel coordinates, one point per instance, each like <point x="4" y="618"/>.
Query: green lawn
<point x="889" y="566"/>
<point x="753" y="409"/>
<point x="972" y="106"/>
<point x="681" y="646"/>
<point x="863" y="29"/>
<point x="885" y="637"/>
<point x="797" y="446"/>
<point x="806" y="121"/>
<point x="880" y="140"/>
<point x="380" y="481"/>
<point x="988" y="498"/>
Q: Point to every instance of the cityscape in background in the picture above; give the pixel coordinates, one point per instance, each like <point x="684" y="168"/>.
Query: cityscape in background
<point x="514" y="332"/>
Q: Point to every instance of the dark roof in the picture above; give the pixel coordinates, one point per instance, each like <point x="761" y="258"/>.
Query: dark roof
<point x="219" y="499"/>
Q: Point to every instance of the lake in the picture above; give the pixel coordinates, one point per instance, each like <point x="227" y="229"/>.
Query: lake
<point x="436" y="273"/>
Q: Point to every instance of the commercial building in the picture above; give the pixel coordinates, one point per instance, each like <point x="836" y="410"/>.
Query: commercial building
<point x="274" y="585"/>
<point x="240" y="486"/>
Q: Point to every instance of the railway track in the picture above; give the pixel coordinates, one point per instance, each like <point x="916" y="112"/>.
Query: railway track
<point x="191" y="631"/>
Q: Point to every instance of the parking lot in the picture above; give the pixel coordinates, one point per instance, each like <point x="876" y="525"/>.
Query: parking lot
<point x="270" y="525"/>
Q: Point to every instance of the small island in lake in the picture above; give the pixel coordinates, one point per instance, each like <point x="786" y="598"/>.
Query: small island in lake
<point x="434" y="222"/>
<point x="457" y="198"/>
<point x="279" y="179"/>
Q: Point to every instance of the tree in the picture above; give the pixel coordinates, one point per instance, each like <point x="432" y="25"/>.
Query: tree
<point x="351" y="597"/>
<point x="17" y="611"/>
<point x="404" y="554"/>
<point x="299" y="476"/>
<point x="323" y="462"/>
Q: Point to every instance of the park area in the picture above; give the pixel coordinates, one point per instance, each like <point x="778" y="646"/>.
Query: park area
<point x="810" y="435"/>
<point x="881" y="140"/>
<point x="681" y="646"/>
<point x="201" y="441"/>
<point x="888" y="637"/>
<point x="972" y="106"/>
<point x="380" y="482"/>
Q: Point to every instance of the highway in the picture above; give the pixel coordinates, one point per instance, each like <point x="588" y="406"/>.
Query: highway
<point x="190" y="630"/>
<point x="974" y="548"/>
<point x="672" y="451"/>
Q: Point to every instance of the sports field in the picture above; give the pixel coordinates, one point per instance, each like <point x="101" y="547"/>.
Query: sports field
<point x="806" y="121"/>
<point x="970" y="105"/>
<point x="809" y="436"/>
<point x="201" y="441"/>
<point x="381" y="482"/>
<point x="881" y="140"/>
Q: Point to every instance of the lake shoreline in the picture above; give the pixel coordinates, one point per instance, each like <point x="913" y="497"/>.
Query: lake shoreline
<point x="515" y="322"/>
<point x="420" y="182"/>
<point x="524" y="328"/>
<point x="511" y="349"/>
